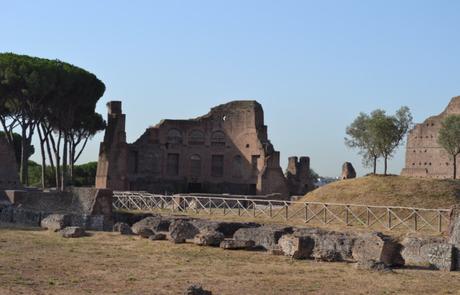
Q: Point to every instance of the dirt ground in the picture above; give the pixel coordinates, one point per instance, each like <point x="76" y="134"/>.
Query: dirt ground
<point x="40" y="262"/>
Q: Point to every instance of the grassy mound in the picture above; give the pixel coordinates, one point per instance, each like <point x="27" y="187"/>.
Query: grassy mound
<point x="390" y="191"/>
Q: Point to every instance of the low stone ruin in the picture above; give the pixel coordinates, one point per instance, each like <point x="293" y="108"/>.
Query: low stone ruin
<point x="348" y="171"/>
<point x="373" y="251"/>
<point x="87" y="208"/>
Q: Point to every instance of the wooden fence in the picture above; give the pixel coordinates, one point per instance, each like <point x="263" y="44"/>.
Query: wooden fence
<point x="315" y="213"/>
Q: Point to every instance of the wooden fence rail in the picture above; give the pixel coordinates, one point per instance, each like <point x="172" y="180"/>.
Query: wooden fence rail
<point x="374" y="217"/>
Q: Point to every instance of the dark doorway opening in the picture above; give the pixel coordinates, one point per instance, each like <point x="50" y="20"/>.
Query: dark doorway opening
<point x="253" y="189"/>
<point x="194" y="188"/>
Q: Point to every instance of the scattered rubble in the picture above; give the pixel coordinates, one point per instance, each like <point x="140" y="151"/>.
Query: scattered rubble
<point x="72" y="232"/>
<point x="122" y="228"/>
<point x="266" y="236"/>
<point x="55" y="222"/>
<point x="196" y="290"/>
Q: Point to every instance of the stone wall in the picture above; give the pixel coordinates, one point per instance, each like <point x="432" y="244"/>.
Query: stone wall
<point x="85" y="206"/>
<point x="9" y="178"/>
<point x="424" y="156"/>
<point x="224" y="151"/>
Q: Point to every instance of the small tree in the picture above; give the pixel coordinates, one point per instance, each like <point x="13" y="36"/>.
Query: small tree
<point x="389" y="131"/>
<point x="360" y="137"/>
<point x="378" y="135"/>
<point x="449" y="138"/>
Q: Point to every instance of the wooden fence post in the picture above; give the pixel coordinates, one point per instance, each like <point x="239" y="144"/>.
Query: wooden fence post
<point x="325" y="213"/>
<point x="368" y="217"/>
<point x="440" y="221"/>
<point x="306" y="212"/>
<point x="346" y="215"/>
<point x="389" y="218"/>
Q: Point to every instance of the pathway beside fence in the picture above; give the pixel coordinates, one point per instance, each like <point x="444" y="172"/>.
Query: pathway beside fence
<point x="373" y="217"/>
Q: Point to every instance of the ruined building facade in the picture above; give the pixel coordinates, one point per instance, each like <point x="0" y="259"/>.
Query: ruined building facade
<point x="424" y="156"/>
<point x="225" y="151"/>
<point x="9" y="178"/>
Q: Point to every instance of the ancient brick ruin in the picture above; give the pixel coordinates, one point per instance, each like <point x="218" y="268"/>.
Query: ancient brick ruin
<point x="424" y="156"/>
<point x="9" y="178"/>
<point x="225" y="151"/>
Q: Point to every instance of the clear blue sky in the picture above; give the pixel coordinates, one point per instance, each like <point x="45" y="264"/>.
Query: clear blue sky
<point x="314" y="65"/>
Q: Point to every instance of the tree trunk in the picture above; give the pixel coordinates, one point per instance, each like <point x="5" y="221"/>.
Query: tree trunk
<point x="375" y="165"/>
<point x="455" y="166"/>
<point x="64" y="163"/>
<point x="56" y="150"/>
<point x="386" y="166"/>
<point x="71" y="161"/>
<point x="48" y="148"/>
<point x="24" y="167"/>
<point x="42" y="151"/>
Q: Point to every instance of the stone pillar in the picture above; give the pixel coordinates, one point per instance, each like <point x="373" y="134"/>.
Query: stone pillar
<point x="112" y="167"/>
<point x="292" y="165"/>
<point x="454" y="235"/>
<point x="9" y="178"/>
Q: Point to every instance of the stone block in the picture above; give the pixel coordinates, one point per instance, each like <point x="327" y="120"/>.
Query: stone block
<point x="441" y="257"/>
<point x="55" y="222"/>
<point x="182" y="230"/>
<point x="72" y="232"/>
<point x="378" y="247"/>
<point x="209" y="238"/>
<point x="265" y="236"/>
<point x="297" y="247"/>
<point x="232" y="244"/>
<point x="153" y="223"/>
<point x="329" y="245"/>
<point x="122" y="228"/>
<point x="228" y="229"/>
<point x="416" y="250"/>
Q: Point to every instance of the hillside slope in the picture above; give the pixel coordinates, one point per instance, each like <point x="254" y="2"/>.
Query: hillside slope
<point x="391" y="191"/>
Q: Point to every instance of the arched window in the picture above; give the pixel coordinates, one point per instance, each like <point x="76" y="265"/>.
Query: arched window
<point x="196" y="137"/>
<point x="174" y="136"/>
<point x="195" y="165"/>
<point x="218" y="139"/>
<point x="237" y="170"/>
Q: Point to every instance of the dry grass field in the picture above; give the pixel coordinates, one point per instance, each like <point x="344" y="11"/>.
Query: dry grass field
<point x="390" y="191"/>
<point x="40" y="262"/>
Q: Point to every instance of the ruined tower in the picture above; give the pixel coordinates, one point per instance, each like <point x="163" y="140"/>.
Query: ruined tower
<point x="298" y="176"/>
<point x="113" y="153"/>
<point x="424" y="156"/>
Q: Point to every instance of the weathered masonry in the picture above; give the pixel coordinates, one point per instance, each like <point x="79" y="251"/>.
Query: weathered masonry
<point x="9" y="178"/>
<point x="424" y="156"/>
<point x="225" y="151"/>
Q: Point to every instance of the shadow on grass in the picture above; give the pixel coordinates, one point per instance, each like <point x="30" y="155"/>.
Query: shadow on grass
<point x="16" y="227"/>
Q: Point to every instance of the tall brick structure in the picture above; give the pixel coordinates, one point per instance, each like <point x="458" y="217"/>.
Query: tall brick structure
<point x="225" y="151"/>
<point x="424" y="156"/>
<point x="112" y="166"/>
<point x="9" y="178"/>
